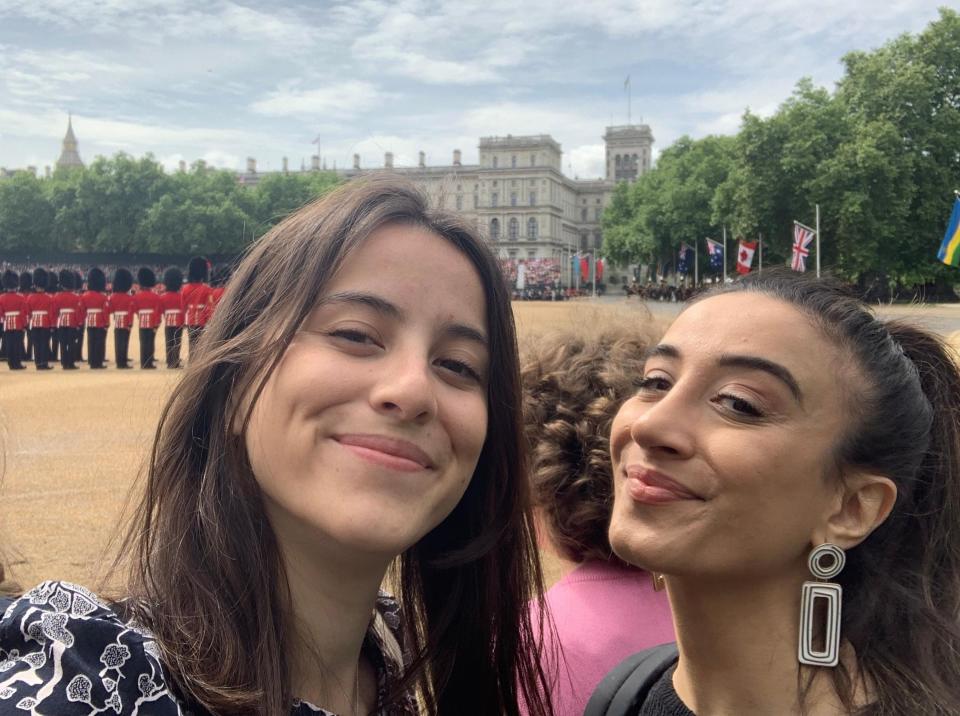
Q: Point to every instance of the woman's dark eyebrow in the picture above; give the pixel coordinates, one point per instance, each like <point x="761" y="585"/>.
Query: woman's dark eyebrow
<point x="665" y="350"/>
<point x="767" y="366"/>
<point x="382" y="305"/>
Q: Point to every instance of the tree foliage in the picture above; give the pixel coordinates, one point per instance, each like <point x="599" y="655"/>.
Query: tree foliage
<point x="128" y="205"/>
<point x="880" y="155"/>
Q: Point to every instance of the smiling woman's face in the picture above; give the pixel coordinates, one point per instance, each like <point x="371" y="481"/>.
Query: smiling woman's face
<point x="368" y="431"/>
<point x="723" y="460"/>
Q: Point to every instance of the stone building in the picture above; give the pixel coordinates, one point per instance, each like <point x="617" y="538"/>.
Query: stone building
<point x="69" y="157"/>
<point x="518" y="196"/>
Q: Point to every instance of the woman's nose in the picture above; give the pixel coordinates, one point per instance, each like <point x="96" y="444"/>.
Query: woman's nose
<point x="405" y="388"/>
<point x="665" y="426"/>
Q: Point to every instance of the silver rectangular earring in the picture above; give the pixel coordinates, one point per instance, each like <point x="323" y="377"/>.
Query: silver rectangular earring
<point x="825" y="562"/>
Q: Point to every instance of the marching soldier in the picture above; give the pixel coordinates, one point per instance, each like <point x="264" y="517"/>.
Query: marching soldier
<point x="13" y="308"/>
<point x="146" y="303"/>
<point x="53" y="288"/>
<point x="120" y="306"/>
<point x="196" y="299"/>
<point x="40" y="306"/>
<point x="94" y="302"/>
<point x="218" y="284"/>
<point x="69" y="312"/>
<point x="78" y="289"/>
<point x="26" y="288"/>
<point x="171" y="301"/>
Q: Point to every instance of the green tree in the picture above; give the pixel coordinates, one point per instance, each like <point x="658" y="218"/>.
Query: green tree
<point x="26" y="217"/>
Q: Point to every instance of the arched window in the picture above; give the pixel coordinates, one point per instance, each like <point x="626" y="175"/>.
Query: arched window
<point x="532" y="228"/>
<point x="618" y="161"/>
<point x="583" y="215"/>
<point x="514" y="229"/>
<point x="495" y="229"/>
<point x="634" y="162"/>
<point x="533" y="160"/>
<point x="584" y="238"/>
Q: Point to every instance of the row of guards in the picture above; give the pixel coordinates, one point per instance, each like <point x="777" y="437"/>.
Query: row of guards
<point x="44" y="314"/>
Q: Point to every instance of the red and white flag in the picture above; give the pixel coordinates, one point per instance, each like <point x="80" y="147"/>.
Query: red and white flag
<point x="745" y="255"/>
<point x="802" y="236"/>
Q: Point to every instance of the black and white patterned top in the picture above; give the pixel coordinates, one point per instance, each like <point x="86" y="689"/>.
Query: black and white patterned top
<point x="63" y="650"/>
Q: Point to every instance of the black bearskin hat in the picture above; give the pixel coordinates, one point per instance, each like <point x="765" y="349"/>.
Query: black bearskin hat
<point x="172" y="279"/>
<point x="146" y="278"/>
<point x="26" y="281"/>
<point x="96" y="280"/>
<point x="197" y="270"/>
<point x="66" y="279"/>
<point x="11" y="282"/>
<point x="53" y="285"/>
<point x="122" y="280"/>
<point x="40" y="278"/>
<point x="77" y="281"/>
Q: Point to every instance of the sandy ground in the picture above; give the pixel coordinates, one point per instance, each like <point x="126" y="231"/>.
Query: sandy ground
<point x="75" y="443"/>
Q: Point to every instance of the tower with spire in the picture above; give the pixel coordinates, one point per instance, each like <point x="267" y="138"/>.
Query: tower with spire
<point x="69" y="157"/>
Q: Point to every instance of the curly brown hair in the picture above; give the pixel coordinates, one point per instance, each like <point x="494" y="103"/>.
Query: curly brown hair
<point x="573" y="385"/>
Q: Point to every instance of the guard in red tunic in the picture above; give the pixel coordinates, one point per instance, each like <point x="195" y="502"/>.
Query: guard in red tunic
<point x="26" y="288"/>
<point x="218" y="284"/>
<point x="53" y="288"/>
<point x="171" y="301"/>
<point x="40" y="306"/>
<point x="94" y="301"/>
<point x="146" y="303"/>
<point x="69" y="312"/>
<point x="13" y="309"/>
<point x="196" y="299"/>
<point x="78" y="289"/>
<point x="120" y="305"/>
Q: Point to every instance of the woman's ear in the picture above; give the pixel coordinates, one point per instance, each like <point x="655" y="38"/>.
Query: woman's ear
<point x="863" y="504"/>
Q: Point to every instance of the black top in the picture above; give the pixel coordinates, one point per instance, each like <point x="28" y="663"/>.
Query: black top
<point x="61" y="646"/>
<point x="662" y="700"/>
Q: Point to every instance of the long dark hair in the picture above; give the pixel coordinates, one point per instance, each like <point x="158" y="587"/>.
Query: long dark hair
<point x="207" y="578"/>
<point x="901" y="585"/>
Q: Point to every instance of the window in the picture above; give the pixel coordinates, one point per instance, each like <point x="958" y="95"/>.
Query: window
<point x="494" y="199"/>
<point x="532" y="229"/>
<point x="476" y="201"/>
<point x="514" y="229"/>
<point x="459" y="202"/>
<point x="531" y="253"/>
<point x="494" y="182"/>
<point x="597" y="239"/>
<point x="513" y="199"/>
<point x="512" y="253"/>
<point x="495" y="229"/>
<point x="617" y="162"/>
<point x="513" y="162"/>
<point x="583" y="215"/>
<point x="596" y="213"/>
<point x="494" y="162"/>
<point x="513" y="183"/>
<point x="533" y="198"/>
<point x="584" y="240"/>
<point x="533" y="160"/>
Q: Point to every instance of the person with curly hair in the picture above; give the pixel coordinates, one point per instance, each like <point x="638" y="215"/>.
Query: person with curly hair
<point x="601" y="608"/>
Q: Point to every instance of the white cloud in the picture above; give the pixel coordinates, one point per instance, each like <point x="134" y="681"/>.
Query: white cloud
<point x="341" y="99"/>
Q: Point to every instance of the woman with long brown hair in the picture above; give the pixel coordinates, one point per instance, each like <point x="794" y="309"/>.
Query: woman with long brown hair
<point x="791" y="465"/>
<point x="352" y="415"/>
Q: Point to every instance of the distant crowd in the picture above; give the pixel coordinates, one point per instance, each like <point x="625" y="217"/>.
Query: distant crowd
<point x="46" y="313"/>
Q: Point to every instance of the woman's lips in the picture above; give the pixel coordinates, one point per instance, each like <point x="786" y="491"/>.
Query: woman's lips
<point x="654" y="488"/>
<point x="386" y="451"/>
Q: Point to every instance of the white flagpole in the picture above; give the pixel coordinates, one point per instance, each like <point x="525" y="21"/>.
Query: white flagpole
<point x="818" y="240"/>
<point x="760" y="246"/>
<point x="724" y="254"/>
<point x="594" y="257"/>
<point x="696" y="261"/>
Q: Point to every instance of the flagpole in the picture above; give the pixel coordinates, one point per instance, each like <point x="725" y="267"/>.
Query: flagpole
<point x="818" y="240"/>
<point x="760" y="246"/>
<point x="594" y="257"/>
<point x="696" y="263"/>
<point x="724" y="255"/>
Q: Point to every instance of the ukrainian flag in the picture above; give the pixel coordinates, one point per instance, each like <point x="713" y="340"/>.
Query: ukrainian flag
<point x="949" y="251"/>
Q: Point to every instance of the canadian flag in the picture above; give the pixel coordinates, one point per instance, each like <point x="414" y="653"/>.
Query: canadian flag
<point x="745" y="255"/>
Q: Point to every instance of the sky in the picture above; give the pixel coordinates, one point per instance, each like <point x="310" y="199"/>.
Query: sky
<point x="223" y="80"/>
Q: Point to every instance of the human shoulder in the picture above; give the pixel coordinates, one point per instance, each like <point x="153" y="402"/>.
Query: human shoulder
<point x="62" y="646"/>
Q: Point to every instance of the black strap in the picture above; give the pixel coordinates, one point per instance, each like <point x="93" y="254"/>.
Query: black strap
<point x="623" y="690"/>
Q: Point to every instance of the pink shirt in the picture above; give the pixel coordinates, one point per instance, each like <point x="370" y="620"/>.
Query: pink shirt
<point x="602" y="613"/>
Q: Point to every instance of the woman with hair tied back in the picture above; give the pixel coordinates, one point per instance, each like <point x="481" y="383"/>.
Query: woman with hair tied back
<point x="791" y="465"/>
<point x="601" y="609"/>
<point x="351" y="416"/>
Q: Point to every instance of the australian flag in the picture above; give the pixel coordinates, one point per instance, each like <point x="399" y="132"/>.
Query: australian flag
<point x="715" y="249"/>
<point x="685" y="259"/>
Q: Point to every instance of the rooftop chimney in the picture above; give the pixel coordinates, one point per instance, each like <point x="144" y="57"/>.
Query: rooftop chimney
<point x="388" y="160"/>
<point x="286" y="165"/>
<point x="251" y="165"/>
<point x="315" y="162"/>
<point x="456" y="157"/>
<point x="183" y="166"/>
<point x="423" y="160"/>
<point x="356" y="161"/>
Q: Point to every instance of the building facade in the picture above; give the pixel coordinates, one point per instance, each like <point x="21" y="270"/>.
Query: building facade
<point x="518" y="196"/>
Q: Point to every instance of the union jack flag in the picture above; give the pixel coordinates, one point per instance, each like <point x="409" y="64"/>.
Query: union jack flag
<point x="802" y="236"/>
